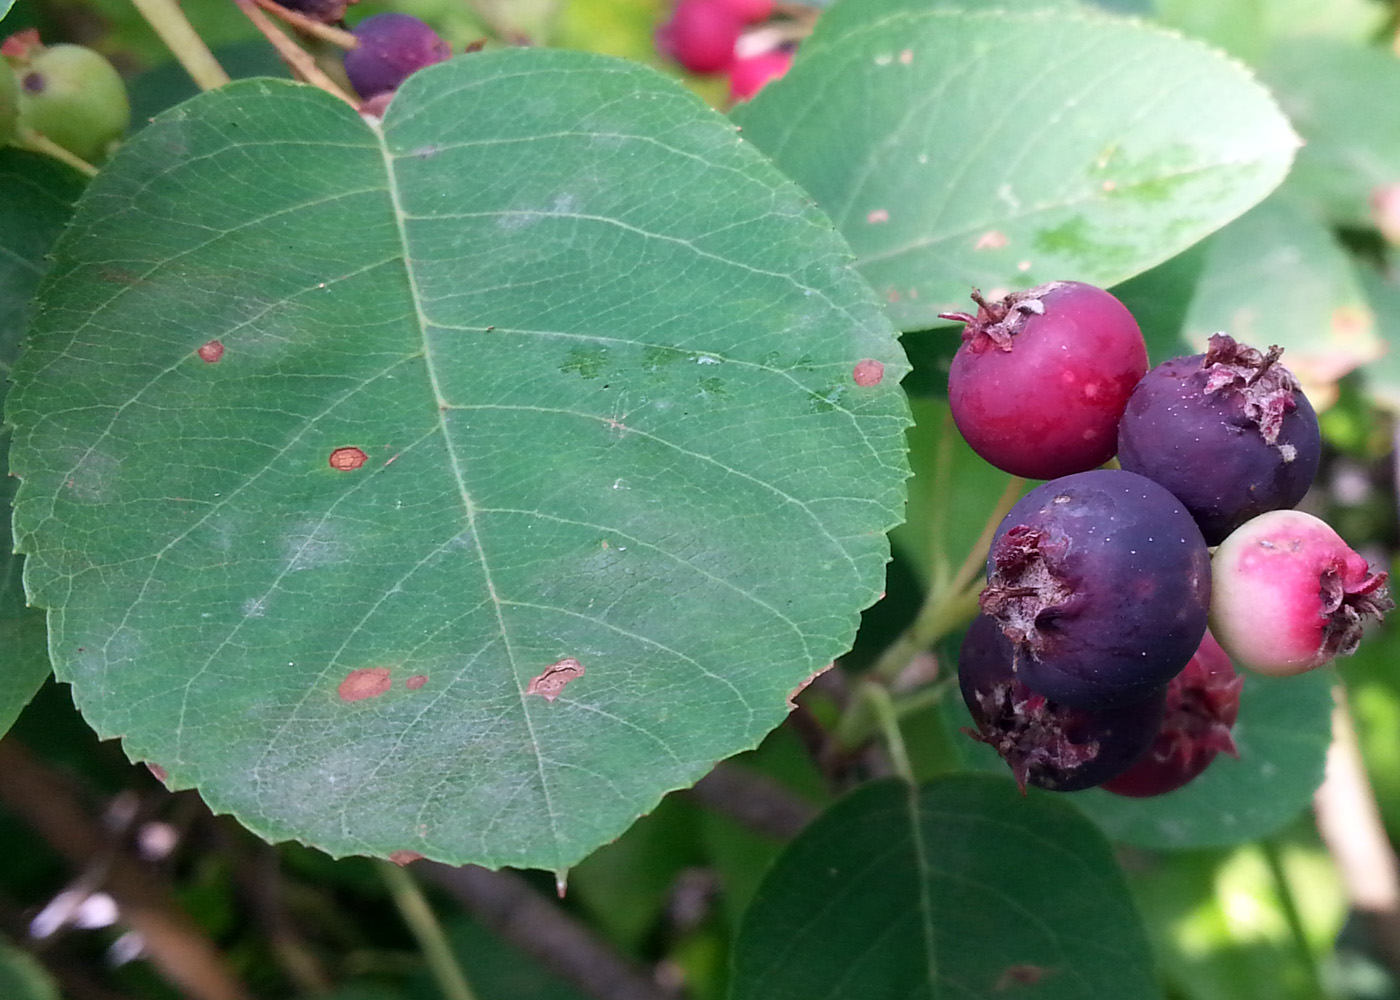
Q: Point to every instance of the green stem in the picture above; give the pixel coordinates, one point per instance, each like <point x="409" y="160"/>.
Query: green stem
<point x="947" y="607"/>
<point x="1283" y="892"/>
<point x="37" y="142"/>
<point x="887" y="718"/>
<point x="418" y="915"/>
<point x="179" y="36"/>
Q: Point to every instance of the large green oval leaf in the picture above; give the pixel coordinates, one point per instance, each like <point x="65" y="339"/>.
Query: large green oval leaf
<point x="961" y="889"/>
<point x="1003" y="148"/>
<point x="459" y="487"/>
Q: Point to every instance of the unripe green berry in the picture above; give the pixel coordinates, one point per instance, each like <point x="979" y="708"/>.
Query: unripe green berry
<point x="75" y="98"/>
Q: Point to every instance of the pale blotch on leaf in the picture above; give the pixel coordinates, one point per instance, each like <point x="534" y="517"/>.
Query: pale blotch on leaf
<point x="554" y="677"/>
<point x="868" y="372"/>
<point x="211" y="352"/>
<point x="367" y="682"/>
<point x="347" y="459"/>
<point x="877" y="216"/>
<point x="992" y="239"/>
<point x="404" y="858"/>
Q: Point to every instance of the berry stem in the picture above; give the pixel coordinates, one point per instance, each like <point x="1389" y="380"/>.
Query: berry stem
<point x="1288" y="904"/>
<point x="36" y="142"/>
<point x="413" y="906"/>
<point x="184" y="43"/>
<point x="298" y="60"/>
<point x="877" y="696"/>
<point x="336" y="36"/>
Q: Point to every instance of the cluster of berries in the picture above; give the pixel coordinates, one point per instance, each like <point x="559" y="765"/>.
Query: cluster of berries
<point x="68" y="95"/>
<point x="708" y="37"/>
<point x="1091" y="663"/>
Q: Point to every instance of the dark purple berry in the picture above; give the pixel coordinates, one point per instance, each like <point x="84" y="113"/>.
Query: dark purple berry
<point x="391" y="47"/>
<point x="1101" y="581"/>
<point x="1202" y="704"/>
<point x="1229" y="432"/>
<point x="1042" y="377"/>
<point x="1047" y="744"/>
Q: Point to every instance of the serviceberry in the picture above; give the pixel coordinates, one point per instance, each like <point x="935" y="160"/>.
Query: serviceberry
<point x="749" y="75"/>
<point x="700" y="35"/>
<point x="391" y="48"/>
<point x="749" y="11"/>
<point x="1047" y="744"/>
<point x="1203" y="702"/>
<point x="1290" y="595"/>
<point x="72" y="96"/>
<point x="1230" y="432"/>
<point x="1101" y="581"/>
<point x="1042" y="377"/>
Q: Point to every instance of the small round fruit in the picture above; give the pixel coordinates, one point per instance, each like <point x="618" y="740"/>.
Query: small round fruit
<point x="392" y="47"/>
<point x="1049" y="745"/>
<point x="1230" y="432"/>
<point x="749" y="11"/>
<point x="1042" y="376"/>
<point x="74" y="97"/>
<point x="1203" y="702"/>
<point x="700" y="35"/>
<point x="1101" y="581"/>
<point x="1289" y="595"/>
<point x="751" y="74"/>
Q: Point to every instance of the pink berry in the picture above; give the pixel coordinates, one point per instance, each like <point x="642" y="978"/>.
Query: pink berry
<point x="700" y="35"/>
<point x="748" y="76"/>
<point x="1041" y="379"/>
<point x="1289" y="595"/>
<point x="1202" y="704"/>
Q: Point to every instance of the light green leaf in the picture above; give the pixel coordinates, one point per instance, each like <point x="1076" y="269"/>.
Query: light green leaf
<point x="552" y="368"/>
<point x="961" y="147"/>
<point x="1279" y="276"/>
<point x="961" y="889"/>
<point x="22" y="978"/>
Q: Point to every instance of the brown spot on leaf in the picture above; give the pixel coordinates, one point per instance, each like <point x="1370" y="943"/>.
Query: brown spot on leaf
<point x="868" y="372"/>
<point x="347" y="459"/>
<point x="906" y="57"/>
<point x="211" y="352"/>
<point x="416" y="681"/>
<point x="158" y="772"/>
<point x="403" y="858"/>
<point x="368" y="682"/>
<point x="554" y="677"/>
<point x="992" y="239"/>
<point x="792" y="698"/>
<point x="1020" y="974"/>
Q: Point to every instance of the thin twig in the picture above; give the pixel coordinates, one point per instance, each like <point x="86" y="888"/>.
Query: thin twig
<point x="298" y="60"/>
<point x="509" y="906"/>
<point x="48" y="802"/>
<point x="184" y="43"/>
<point x="328" y="33"/>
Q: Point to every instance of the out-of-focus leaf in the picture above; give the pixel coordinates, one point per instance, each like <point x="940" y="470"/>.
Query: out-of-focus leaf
<point x="1159" y="300"/>
<point x="1002" y="148"/>
<point x="1251" y="30"/>
<point x="1382" y="287"/>
<point x="961" y="888"/>
<point x="1278" y="276"/>
<point x="1339" y="98"/>
<point x="22" y="978"/>
<point x="332" y="483"/>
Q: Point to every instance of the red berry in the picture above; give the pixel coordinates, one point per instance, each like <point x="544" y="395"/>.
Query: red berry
<point x="749" y="11"/>
<point x="1289" y="595"/>
<point x="700" y="35"/>
<point x="749" y="75"/>
<point x="1202" y="704"/>
<point x="1041" y="379"/>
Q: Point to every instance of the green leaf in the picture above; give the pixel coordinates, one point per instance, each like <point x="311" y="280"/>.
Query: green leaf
<point x="1282" y="734"/>
<point x="962" y="888"/>
<point x="596" y="358"/>
<point x="39" y="197"/>
<point x="22" y="978"/>
<point x="961" y="147"/>
<point x="1382" y="287"/>
<point x="1279" y="276"/>
<point x="1337" y="96"/>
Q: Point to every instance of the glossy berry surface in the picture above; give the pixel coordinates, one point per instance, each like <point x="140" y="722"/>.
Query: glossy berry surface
<point x="1203" y="702"/>
<point x="1230" y="432"/>
<point x="700" y="35"/>
<point x="1049" y="745"/>
<point x="1042" y="376"/>
<point x="1101" y="581"/>
<point x="391" y="48"/>
<point x="73" y="96"/>
<point x="1290" y="595"/>
<point x="750" y="75"/>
